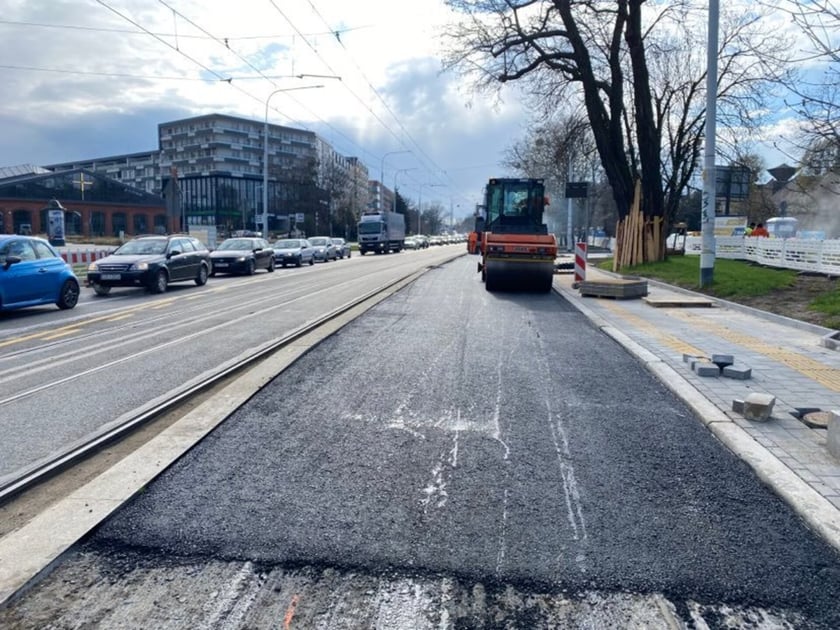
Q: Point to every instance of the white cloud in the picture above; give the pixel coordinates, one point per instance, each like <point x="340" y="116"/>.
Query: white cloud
<point x="116" y="84"/>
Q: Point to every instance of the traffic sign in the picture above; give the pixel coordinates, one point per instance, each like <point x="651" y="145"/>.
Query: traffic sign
<point x="577" y="190"/>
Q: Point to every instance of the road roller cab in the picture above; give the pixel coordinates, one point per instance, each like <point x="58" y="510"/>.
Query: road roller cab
<point x="517" y="251"/>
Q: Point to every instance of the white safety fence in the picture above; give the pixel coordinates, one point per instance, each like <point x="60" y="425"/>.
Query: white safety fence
<point x="787" y="253"/>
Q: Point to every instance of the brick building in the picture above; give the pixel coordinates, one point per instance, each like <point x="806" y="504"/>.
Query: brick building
<point x="94" y="205"/>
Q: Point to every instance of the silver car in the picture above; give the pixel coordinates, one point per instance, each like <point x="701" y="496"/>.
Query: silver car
<point x="324" y="248"/>
<point x="293" y="251"/>
<point x="342" y="247"/>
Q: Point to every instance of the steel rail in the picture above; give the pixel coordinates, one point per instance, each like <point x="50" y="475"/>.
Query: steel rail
<point x="19" y="481"/>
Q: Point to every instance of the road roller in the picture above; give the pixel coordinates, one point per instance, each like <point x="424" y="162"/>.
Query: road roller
<point x="517" y="251"/>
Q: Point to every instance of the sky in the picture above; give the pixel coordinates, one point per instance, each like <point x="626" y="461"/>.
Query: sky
<point x="93" y="78"/>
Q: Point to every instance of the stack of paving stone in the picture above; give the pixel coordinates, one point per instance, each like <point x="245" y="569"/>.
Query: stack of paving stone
<point x="620" y="289"/>
<point x="717" y="365"/>
<point x="756" y="406"/>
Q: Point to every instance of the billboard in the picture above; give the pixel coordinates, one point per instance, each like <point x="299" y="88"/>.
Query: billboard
<point x="55" y="227"/>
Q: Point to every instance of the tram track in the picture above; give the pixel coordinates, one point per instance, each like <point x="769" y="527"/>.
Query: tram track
<point x="128" y="334"/>
<point x="16" y="483"/>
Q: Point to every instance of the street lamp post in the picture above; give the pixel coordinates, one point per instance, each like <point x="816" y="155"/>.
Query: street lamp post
<point x="265" y="152"/>
<point x="402" y="170"/>
<point x="382" y="173"/>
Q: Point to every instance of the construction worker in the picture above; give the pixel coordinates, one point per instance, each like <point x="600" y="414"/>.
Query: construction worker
<point x="760" y="230"/>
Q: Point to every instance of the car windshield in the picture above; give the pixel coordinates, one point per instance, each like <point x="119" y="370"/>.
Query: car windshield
<point x="236" y="243"/>
<point x="337" y="241"/>
<point x="142" y="246"/>
<point x="290" y="244"/>
<point x="318" y="241"/>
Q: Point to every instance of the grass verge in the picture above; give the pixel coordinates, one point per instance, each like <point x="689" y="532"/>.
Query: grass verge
<point x="732" y="278"/>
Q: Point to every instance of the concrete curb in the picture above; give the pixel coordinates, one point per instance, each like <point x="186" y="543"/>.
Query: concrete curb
<point x="817" y="511"/>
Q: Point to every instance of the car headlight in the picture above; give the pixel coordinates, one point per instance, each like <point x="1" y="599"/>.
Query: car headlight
<point x="141" y="266"/>
<point x="93" y="267"/>
<point x="241" y="259"/>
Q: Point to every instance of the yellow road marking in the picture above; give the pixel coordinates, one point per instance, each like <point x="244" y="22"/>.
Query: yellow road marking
<point x="119" y="317"/>
<point x="59" y="332"/>
<point x="63" y="333"/>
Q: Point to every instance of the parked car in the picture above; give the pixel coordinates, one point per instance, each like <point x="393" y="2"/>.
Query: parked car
<point x="152" y="262"/>
<point x="342" y="248"/>
<point x="293" y="251"/>
<point x="242" y="255"/>
<point x="411" y="242"/>
<point x="422" y="241"/>
<point x="324" y="248"/>
<point x="33" y="273"/>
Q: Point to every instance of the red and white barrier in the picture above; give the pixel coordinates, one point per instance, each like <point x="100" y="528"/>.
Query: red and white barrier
<point x="580" y="262"/>
<point x="83" y="257"/>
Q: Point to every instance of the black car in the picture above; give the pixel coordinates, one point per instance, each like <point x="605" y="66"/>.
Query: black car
<point x="152" y="262"/>
<point x="242" y="255"/>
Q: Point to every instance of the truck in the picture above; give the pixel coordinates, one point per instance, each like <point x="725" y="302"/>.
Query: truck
<point x="381" y="232"/>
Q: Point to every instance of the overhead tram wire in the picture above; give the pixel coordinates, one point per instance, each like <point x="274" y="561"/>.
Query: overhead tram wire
<point x="222" y="42"/>
<point x="435" y="166"/>
<point x="375" y="91"/>
<point x="125" y="31"/>
<point x="356" y="96"/>
<point x="225" y="44"/>
<point x="228" y="80"/>
<point x="124" y="75"/>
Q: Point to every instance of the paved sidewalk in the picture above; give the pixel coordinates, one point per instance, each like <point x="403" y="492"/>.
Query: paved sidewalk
<point x="786" y="359"/>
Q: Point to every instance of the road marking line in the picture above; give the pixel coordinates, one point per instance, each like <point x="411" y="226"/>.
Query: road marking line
<point x="63" y="333"/>
<point x="119" y="317"/>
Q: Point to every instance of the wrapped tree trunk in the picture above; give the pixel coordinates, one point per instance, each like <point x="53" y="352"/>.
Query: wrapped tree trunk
<point x="638" y="238"/>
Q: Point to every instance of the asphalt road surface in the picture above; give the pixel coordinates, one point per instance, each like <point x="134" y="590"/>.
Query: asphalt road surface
<point x="67" y="375"/>
<point x="452" y="459"/>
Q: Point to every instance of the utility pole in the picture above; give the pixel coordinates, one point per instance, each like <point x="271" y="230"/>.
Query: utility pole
<point x="707" y="216"/>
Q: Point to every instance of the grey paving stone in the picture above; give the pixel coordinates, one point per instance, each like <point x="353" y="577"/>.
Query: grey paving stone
<point x="706" y="369"/>
<point x="737" y="372"/>
<point x="759" y="407"/>
<point x="722" y="360"/>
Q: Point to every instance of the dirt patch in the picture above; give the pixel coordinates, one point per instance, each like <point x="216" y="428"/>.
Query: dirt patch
<point x="793" y="302"/>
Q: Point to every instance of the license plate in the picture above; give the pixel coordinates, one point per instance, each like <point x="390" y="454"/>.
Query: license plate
<point x="220" y="264"/>
<point x="111" y="276"/>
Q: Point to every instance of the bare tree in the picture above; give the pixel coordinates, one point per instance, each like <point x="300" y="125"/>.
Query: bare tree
<point x="636" y="67"/>
<point x="817" y="100"/>
<point x="561" y="150"/>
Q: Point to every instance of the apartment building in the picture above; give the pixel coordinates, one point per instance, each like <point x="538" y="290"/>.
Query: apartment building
<point x="217" y="161"/>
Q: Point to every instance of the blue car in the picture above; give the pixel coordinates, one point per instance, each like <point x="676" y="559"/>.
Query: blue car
<point x="32" y="273"/>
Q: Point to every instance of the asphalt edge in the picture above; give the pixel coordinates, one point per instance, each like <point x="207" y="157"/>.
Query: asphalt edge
<point x="29" y="554"/>
<point x="816" y="511"/>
